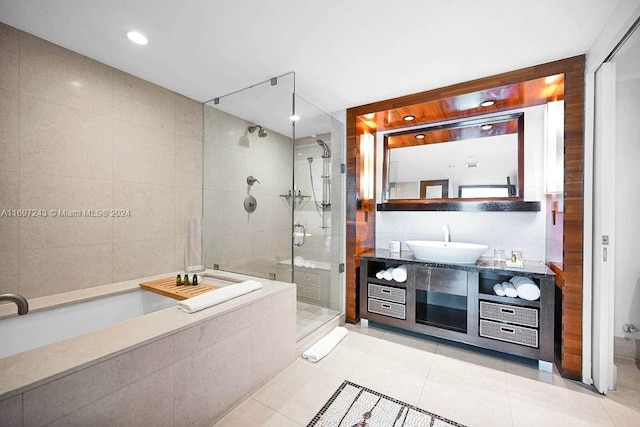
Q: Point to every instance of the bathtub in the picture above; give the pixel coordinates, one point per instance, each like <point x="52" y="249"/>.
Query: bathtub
<point x="22" y="333"/>
<point x="137" y="371"/>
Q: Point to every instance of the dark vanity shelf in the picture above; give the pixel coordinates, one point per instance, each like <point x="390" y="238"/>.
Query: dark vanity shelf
<point x="456" y="302"/>
<point x="463" y="206"/>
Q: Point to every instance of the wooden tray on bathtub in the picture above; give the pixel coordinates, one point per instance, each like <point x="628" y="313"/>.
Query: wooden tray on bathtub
<point x="167" y="287"/>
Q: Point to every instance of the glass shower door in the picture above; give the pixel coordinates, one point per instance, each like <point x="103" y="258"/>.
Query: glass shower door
<point x="248" y="147"/>
<point x="316" y="199"/>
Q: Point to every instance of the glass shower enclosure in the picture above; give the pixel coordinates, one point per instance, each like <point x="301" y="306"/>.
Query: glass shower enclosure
<point x="272" y="194"/>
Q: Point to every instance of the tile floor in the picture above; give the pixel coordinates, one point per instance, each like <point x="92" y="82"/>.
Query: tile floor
<point x="469" y="386"/>
<point x="310" y="317"/>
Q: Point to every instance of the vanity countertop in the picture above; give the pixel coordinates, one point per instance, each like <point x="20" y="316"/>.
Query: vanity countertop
<point x="530" y="268"/>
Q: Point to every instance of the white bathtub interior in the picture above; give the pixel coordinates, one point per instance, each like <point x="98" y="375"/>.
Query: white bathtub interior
<point x="22" y="333"/>
<point x="38" y="328"/>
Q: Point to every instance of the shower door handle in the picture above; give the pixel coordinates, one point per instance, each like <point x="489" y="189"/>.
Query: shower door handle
<point x="304" y="233"/>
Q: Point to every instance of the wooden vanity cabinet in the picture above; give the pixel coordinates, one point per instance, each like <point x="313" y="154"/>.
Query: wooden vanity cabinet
<point x="457" y="302"/>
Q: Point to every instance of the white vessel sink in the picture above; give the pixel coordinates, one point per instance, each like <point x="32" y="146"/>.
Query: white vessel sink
<point x="446" y="252"/>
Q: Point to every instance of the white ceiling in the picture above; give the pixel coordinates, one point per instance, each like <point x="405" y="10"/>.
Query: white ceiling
<point x="345" y="52"/>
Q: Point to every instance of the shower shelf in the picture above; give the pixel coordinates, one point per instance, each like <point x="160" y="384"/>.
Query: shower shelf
<point x="300" y="198"/>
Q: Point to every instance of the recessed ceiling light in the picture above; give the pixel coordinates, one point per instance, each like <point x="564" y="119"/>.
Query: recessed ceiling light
<point x="294" y="118"/>
<point x="137" y="37"/>
<point x="451" y="165"/>
<point x="420" y="136"/>
<point x="486" y="127"/>
<point x="472" y="165"/>
<point x="408" y="118"/>
<point x="488" y="103"/>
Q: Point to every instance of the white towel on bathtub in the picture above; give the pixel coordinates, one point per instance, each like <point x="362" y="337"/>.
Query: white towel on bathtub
<point x="325" y="345"/>
<point x="191" y="305"/>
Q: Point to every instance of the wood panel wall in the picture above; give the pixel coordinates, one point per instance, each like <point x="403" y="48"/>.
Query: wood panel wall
<point x="361" y="222"/>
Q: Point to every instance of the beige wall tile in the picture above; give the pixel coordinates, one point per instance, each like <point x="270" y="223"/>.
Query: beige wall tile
<point x="211" y="167"/>
<point x="152" y="212"/>
<point x="9" y="130"/>
<point x="143" y="103"/>
<point x="11" y="409"/>
<point x="60" y="140"/>
<point x="66" y="194"/>
<point x="9" y="199"/>
<point x="220" y="373"/>
<point x="10" y="272"/>
<point x="58" y="398"/>
<point x="189" y="118"/>
<point x="234" y="133"/>
<point x="148" y="402"/>
<point x="55" y="74"/>
<point x="142" y="258"/>
<point x="9" y="58"/>
<point x="55" y="270"/>
<point x="273" y="346"/>
<point x="142" y="154"/>
<point x="179" y="254"/>
<point x="206" y="334"/>
<point x="188" y="162"/>
<point x="188" y="206"/>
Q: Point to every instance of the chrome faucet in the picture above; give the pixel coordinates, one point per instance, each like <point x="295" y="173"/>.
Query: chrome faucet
<point x="21" y="302"/>
<point x="447" y="234"/>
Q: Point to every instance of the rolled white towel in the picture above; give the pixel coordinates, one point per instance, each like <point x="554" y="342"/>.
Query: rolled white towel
<point x="526" y="288"/>
<point x="325" y="345"/>
<point x="388" y="274"/>
<point x="498" y="289"/>
<point x="399" y="274"/>
<point x="380" y="274"/>
<point x="218" y="296"/>
<point x="509" y="289"/>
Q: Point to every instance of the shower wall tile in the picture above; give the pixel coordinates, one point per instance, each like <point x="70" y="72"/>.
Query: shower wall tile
<point x="55" y="270"/>
<point x="234" y="133"/>
<point x="143" y="154"/>
<point x="9" y="58"/>
<point x="235" y="167"/>
<point x="189" y="118"/>
<point x="211" y="169"/>
<point x="142" y="258"/>
<point x="188" y="162"/>
<point x="188" y="205"/>
<point x="10" y="272"/>
<point x="143" y="103"/>
<point x="9" y="199"/>
<point x="152" y="210"/>
<point x="234" y="218"/>
<point x="211" y="125"/>
<point x="60" y="140"/>
<point x="55" y="74"/>
<point x="65" y="196"/>
<point x="9" y="130"/>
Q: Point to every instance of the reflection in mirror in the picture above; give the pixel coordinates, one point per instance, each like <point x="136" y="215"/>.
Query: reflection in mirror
<point x="478" y="158"/>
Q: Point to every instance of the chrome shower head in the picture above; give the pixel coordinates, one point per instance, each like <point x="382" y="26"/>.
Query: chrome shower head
<point x="326" y="151"/>
<point x="261" y="132"/>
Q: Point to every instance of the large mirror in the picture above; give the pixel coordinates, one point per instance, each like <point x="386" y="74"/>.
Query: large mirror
<point x="474" y="159"/>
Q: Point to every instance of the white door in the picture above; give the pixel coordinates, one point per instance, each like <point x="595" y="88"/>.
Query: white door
<point x="604" y="227"/>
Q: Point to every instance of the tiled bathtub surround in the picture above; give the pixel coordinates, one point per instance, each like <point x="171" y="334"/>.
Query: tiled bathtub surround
<point x="166" y="368"/>
<point x="77" y="134"/>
